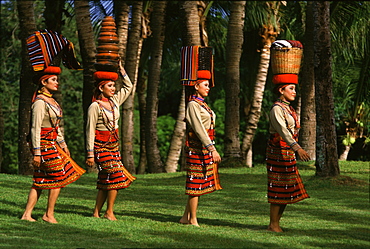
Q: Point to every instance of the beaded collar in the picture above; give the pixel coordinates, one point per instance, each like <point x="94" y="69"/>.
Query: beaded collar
<point x="44" y="93"/>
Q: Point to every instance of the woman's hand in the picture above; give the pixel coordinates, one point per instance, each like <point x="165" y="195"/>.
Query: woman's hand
<point x="121" y="69"/>
<point x="36" y="161"/>
<point x="216" y="157"/>
<point x="90" y="161"/>
<point x="66" y="150"/>
<point x="303" y="155"/>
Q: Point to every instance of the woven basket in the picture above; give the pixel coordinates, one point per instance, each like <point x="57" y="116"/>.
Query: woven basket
<point x="286" y="60"/>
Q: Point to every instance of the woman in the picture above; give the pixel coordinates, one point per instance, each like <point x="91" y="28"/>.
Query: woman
<point x="103" y="140"/>
<point x="53" y="167"/>
<point x="202" y="156"/>
<point x="284" y="182"/>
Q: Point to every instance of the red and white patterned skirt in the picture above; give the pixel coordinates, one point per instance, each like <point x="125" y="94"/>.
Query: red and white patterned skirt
<point x="112" y="174"/>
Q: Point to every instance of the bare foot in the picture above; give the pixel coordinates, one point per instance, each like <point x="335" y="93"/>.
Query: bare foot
<point x="29" y="218"/>
<point x="184" y="221"/>
<point x="110" y="216"/>
<point x="274" y="229"/>
<point x="49" y="219"/>
<point x="96" y="215"/>
<point x="197" y="225"/>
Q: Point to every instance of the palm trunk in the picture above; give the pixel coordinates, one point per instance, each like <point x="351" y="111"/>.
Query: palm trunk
<point x="131" y="65"/>
<point x="232" y="87"/>
<point x="141" y="89"/>
<point x="326" y="141"/>
<point x="191" y="38"/>
<point x="88" y="51"/>
<point x="344" y="155"/>
<point x="177" y="138"/>
<point x="307" y="136"/>
<point x="256" y="105"/>
<point x="151" y="139"/>
<point x="27" y="26"/>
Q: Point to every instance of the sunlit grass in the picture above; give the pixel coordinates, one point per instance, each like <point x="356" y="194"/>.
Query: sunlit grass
<point x="336" y="216"/>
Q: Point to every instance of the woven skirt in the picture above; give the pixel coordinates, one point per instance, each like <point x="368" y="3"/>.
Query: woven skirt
<point x="202" y="174"/>
<point x="284" y="182"/>
<point x="112" y="174"/>
<point x="57" y="169"/>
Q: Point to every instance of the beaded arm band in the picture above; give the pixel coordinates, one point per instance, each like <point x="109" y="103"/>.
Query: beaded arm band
<point x="210" y="147"/>
<point x="90" y="153"/>
<point x="295" y="146"/>
<point x="37" y="151"/>
<point x="62" y="144"/>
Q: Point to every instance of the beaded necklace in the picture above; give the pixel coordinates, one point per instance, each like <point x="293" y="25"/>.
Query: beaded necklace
<point x="109" y="124"/>
<point x="203" y="104"/>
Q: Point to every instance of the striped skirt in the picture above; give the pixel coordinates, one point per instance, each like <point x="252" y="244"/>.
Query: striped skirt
<point x="112" y="174"/>
<point x="57" y="169"/>
<point x="284" y="182"/>
<point x="202" y="174"/>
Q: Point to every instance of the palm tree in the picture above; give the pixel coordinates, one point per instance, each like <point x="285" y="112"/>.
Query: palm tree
<point x="268" y="33"/>
<point x="88" y="51"/>
<point x="155" y="164"/>
<point x="191" y="37"/>
<point x="307" y="134"/>
<point x="352" y="51"/>
<point x="134" y="45"/>
<point x="326" y="140"/>
<point x="232" y="87"/>
<point x="27" y="25"/>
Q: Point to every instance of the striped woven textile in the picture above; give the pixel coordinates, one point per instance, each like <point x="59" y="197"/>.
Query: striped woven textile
<point x="44" y="46"/>
<point x="284" y="182"/>
<point x="195" y="59"/>
<point x="57" y="169"/>
<point x="189" y="65"/>
<point x="112" y="173"/>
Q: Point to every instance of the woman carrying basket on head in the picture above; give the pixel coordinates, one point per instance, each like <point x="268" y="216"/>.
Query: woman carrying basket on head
<point x="201" y="154"/>
<point x="284" y="182"/>
<point x="53" y="167"/>
<point x="103" y="140"/>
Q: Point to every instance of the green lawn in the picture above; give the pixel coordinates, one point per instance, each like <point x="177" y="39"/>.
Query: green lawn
<point x="336" y="216"/>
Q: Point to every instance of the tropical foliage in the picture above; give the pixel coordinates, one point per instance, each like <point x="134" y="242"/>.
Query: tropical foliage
<point x="350" y="34"/>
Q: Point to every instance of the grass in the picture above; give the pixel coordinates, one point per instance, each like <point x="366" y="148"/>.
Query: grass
<point x="336" y="216"/>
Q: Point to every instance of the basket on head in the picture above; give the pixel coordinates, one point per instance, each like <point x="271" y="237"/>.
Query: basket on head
<point x="286" y="57"/>
<point x="196" y="64"/>
<point x="107" y="51"/>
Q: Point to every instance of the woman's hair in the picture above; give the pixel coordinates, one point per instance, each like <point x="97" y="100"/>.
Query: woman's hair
<point x="278" y="87"/>
<point x="189" y="91"/>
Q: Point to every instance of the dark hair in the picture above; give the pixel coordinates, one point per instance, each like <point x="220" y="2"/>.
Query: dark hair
<point x="189" y="91"/>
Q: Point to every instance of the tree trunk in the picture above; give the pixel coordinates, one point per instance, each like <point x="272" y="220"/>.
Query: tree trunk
<point x="27" y="26"/>
<point x="141" y="89"/>
<point x="155" y="164"/>
<point x="134" y="46"/>
<point x="307" y="134"/>
<point x="344" y="155"/>
<point x="88" y="51"/>
<point x="122" y="12"/>
<point x="191" y="37"/>
<point x="177" y="138"/>
<point x="232" y="87"/>
<point x="326" y="141"/>
<point x="191" y="19"/>
<point x="256" y="105"/>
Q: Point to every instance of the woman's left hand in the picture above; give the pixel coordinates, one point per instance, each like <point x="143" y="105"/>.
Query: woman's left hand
<point x="303" y="155"/>
<point x="66" y="150"/>
<point x="216" y="157"/>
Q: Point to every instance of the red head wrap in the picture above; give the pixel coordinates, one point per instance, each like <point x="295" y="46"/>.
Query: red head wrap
<point x="102" y="78"/>
<point x="47" y="73"/>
